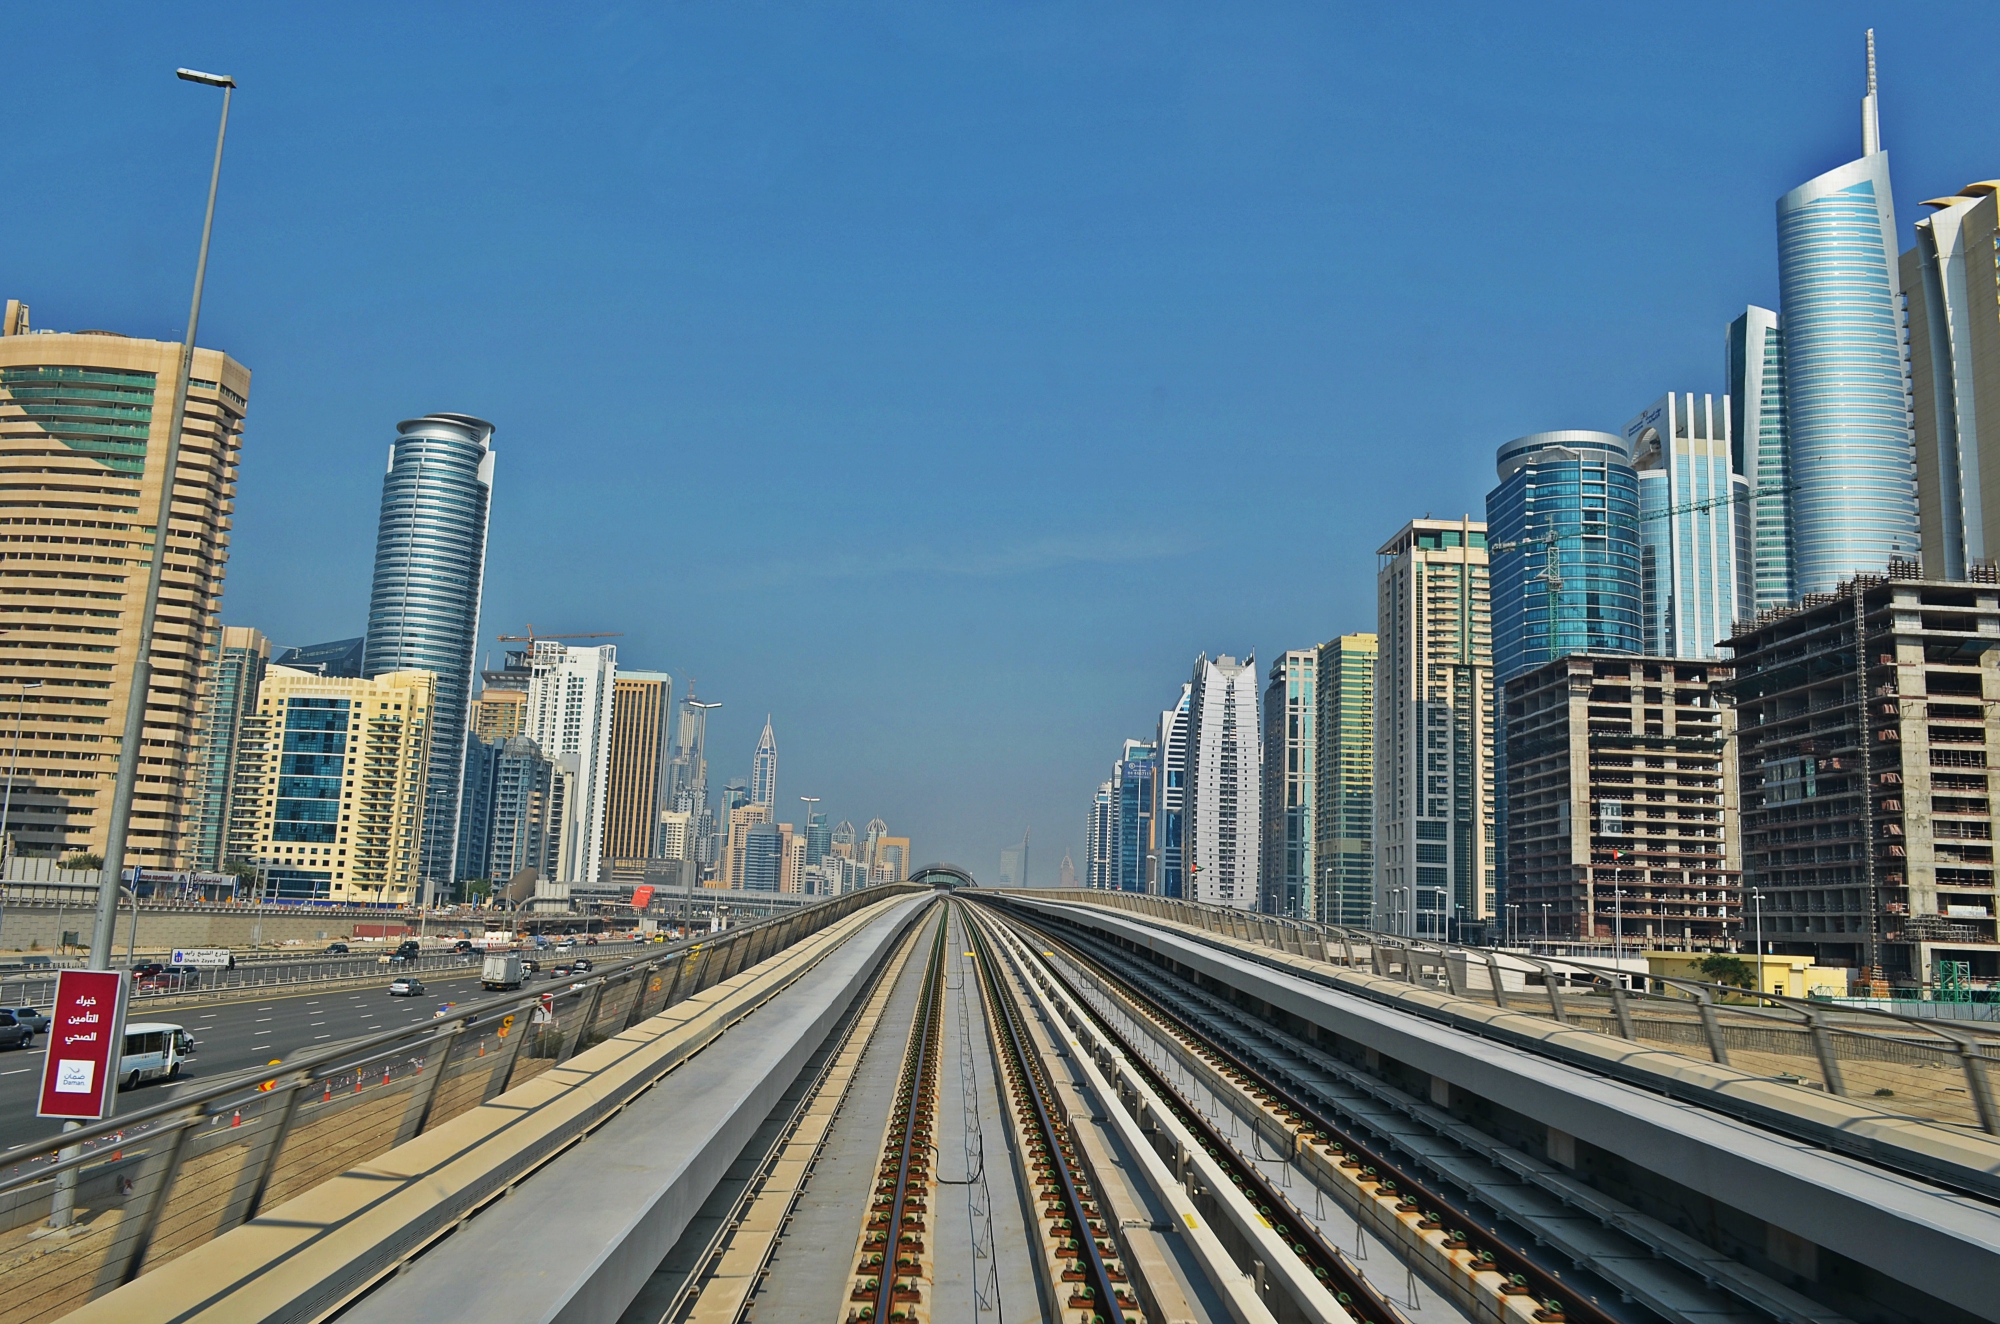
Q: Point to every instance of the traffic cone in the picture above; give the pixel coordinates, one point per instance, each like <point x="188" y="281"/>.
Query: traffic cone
<point x="385" y="1075"/>
<point x="357" y="1082"/>
<point x="328" y="1096"/>
<point x="237" y="1120"/>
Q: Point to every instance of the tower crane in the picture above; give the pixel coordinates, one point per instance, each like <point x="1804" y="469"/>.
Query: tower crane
<point x="531" y="637"/>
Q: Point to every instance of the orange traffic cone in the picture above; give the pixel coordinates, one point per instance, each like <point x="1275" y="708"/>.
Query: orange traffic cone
<point x="328" y="1096"/>
<point x="237" y="1120"/>
<point x="385" y="1075"/>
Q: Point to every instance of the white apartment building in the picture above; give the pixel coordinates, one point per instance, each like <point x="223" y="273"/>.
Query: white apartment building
<point x="569" y="715"/>
<point x="1222" y="819"/>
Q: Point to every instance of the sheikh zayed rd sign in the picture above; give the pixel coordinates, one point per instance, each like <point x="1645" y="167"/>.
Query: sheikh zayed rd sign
<point x="83" y="1032"/>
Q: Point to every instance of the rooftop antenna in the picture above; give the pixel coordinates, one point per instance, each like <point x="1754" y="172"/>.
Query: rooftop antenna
<point x="1871" y="120"/>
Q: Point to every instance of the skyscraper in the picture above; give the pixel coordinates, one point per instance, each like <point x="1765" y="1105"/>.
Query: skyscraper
<point x="1952" y="278"/>
<point x="340" y="657"/>
<point x="83" y="443"/>
<point x="640" y="703"/>
<point x="1066" y="872"/>
<point x="763" y="855"/>
<point x="1097" y="837"/>
<point x="764" y="769"/>
<point x="1290" y="746"/>
<point x="330" y="786"/>
<point x="1170" y="739"/>
<point x="1694" y="527"/>
<point x="1434" y="799"/>
<point x="1754" y="349"/>
<point x="1221" y="820"/>
<point x="570" y="708"/>
<point x="228" y="694"/>
<point x="1014" y="865"/>
<point x="1135" y="790"/>
<point x="1567" y="576"/>
<point x="1854" y="500"/>
<point x="423" y="611"/>
<point x="1344" y="793"/>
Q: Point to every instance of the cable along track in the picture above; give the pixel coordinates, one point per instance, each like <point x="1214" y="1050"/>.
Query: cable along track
<point x="1536" y="1293"/>
<point x="1083" y="1259"/>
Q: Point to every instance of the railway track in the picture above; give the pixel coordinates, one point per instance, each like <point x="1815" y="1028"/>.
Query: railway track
<point x="892" y="1270"/>
<point x="1083" y="1259"/>
<point x="1363" y="1138"/>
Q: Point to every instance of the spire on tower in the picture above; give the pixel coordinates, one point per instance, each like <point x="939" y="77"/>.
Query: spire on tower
<point x="1871" y="120"/>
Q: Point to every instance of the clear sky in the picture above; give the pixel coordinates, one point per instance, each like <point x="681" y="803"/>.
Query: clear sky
<point x="940" y="378"/>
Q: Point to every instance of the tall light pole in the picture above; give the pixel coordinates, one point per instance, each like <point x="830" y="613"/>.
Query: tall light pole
<point x="142" y="663"/>
<point x="1757" y="897"/>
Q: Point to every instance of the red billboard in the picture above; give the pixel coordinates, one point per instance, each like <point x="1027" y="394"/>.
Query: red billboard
<point x="641" y="897"/>
<point x="83" y="1048"/>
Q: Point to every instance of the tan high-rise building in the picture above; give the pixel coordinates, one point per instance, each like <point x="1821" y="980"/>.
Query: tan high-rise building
<point x="499" y="714"/>
<point x="84" y="422"/>
<point x="729" y="870"/>
<point x="791" y="878"/>
<point x="640" y="702"/>
<point x="1435" y="853"/>
<point x="892" y="860"/>
<point x="355" y="757"/>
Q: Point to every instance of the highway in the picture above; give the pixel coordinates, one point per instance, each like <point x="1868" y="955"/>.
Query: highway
<point x="234" y="1036"/>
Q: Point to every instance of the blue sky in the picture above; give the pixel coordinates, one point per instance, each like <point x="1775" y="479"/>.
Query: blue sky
<point x="940" y="378"/>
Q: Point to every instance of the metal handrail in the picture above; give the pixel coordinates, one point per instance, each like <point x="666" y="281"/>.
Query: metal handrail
<point x="1976" y="1047"/>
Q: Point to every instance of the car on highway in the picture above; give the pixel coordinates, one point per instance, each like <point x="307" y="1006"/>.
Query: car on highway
<point x="582" y="964"/>
<point x="335" y="949"/>
<point x="562" y="970"/>
<point x="145" y="969"/>
<point x="13" y="1034"/>
<point x="462" y="945"/>
<point x="171" y="979"/>
<point x="590" y="942"/>
<point x="34" y="1018"/>
<point x="154" y="1050"/>
<point x="406" y="986"/>
<point x="530" y="967"/>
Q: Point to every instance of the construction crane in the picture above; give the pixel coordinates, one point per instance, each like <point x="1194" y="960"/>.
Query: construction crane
<point x="530" y="637"/>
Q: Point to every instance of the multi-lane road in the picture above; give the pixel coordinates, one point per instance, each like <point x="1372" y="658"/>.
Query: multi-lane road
<point x="234" y="1036"/>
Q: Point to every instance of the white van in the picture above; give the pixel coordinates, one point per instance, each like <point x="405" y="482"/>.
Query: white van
<point x="154" y="1050"/>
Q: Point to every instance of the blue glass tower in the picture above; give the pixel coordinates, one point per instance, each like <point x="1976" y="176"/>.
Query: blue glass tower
<point x="423" y="613"/>
<point x="1853" y="472"/>
<point x="1563" y="533"/>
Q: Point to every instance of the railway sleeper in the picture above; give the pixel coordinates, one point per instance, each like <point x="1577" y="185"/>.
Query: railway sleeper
<point x="1644" y="1259"/>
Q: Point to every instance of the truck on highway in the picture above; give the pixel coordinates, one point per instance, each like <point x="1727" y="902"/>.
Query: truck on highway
<point x="501" y="970"/>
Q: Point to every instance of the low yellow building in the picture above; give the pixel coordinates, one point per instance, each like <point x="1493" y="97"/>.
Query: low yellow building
<point x="329" y="800"/>
<point x="1786" y="976"/>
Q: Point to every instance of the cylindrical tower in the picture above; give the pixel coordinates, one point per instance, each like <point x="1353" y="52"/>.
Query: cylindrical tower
<point x="430" y="563"/>
<point x="1579" y="489"/>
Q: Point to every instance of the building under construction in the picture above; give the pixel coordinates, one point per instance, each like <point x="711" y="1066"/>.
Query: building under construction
<point x="1868" y="731"/>
<point x="1621" y="802"/>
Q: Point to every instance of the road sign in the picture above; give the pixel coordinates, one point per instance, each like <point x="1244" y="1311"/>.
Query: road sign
<point x="204" y="958"/>
<point x="83" y="1051"/>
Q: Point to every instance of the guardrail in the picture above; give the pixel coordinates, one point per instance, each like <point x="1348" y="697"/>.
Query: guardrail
<point x="1905" y="1065"/>
<point x="38" y="990"/>
<point x="162" y="1180"/>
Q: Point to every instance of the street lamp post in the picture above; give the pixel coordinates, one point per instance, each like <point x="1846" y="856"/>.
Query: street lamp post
<point x="103" y="932"/>
<point x="1545" y="924"/>
<point x="1757" y="898"/>
<point x="142" y="662"/>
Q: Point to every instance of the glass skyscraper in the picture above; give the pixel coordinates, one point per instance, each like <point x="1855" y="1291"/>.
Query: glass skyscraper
<point x="1291" y="710"/>
<point x="1854" y="501"/>
<point x="1171" y="742"/>
<point x="1755" y="351"/>
<point x="228" y="694"/>
<point x="1694" y="526"/>
<point x="1563" y="530"/>
<point x="1344" y="794"/>
<point x="1135" y="794"/>
<point x="423" y="612"/>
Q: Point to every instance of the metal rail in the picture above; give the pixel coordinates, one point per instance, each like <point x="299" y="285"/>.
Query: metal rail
<point x="1040" y="1115"/>
<point x="1558" y="1300"/>
<point x="909" y="1148"/>
<point x="162" y="1174"/>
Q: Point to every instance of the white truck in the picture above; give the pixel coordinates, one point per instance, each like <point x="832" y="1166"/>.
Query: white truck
<point x="502" y="970"/>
